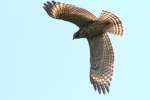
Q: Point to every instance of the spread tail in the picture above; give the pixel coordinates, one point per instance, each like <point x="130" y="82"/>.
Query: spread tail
<point x="116" y="24"/>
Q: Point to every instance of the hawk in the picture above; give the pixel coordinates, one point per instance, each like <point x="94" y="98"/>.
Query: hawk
<point x="95" y="30"/>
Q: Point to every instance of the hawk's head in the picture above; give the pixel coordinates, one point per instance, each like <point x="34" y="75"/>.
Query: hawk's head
<point x="80" y="34"/>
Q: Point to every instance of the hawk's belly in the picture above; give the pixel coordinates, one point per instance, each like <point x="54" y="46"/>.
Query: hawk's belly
<point x="95" y="29"/>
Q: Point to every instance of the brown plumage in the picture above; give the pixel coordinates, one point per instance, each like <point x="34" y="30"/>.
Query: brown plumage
<point x="95" y="30"/>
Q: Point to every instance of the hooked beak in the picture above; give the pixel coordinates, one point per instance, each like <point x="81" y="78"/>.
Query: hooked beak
<point x="75" y="36"/>
<point x="79" y="34"/>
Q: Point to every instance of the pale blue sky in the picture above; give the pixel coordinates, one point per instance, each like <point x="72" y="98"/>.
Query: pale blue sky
<point x="40" y="61"/>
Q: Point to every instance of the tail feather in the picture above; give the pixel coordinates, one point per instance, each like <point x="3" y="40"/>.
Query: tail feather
<point x="116" y="24"/>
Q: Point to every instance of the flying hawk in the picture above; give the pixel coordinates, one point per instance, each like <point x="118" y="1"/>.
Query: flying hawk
<point x="95" y="30"/>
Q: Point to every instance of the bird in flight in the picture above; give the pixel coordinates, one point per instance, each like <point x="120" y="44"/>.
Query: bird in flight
<point x="95" y="30"/>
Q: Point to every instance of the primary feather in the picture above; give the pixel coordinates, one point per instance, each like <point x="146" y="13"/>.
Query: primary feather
<point x="68" y="12"/>
<point x="102" y="60"/>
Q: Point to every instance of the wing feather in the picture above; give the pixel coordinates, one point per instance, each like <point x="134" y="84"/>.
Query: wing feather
<point x="68" y="12"/>
<point x="102" y="60"/>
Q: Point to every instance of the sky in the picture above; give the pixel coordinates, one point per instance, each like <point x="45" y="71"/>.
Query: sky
<point x="40" y="61"/>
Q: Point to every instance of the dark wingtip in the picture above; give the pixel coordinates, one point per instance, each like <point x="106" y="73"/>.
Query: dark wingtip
<point x="99" y="89"/>
<point x="95" y="86"/>
<point x="49" y="3"/>
<point x="107" y="88"/>
<point x="46" y="5"/>
<point x="103" y="89"/>
<point x="53" y="2"/>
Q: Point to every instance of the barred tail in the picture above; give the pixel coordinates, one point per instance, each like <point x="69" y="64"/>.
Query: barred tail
<point x="116" y="24"/>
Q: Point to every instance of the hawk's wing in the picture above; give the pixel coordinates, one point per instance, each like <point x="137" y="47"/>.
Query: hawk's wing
<point x="102" y="60"/>
<point x="68" y="12"/>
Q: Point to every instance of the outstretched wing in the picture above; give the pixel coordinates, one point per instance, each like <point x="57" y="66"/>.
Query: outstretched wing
<point x="102" y="60"/>
<point x="68" y="12"/>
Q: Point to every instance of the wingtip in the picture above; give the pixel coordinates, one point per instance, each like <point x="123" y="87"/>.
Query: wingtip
<point x="103" y="89"/>
<point x="49" y="3"/>
<point x="45" y="4"/>
<point x="45" y="8"/>
<point x="107" y="88"/>
<point x="53" y="2"/>
<point x="99" y="89"/>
